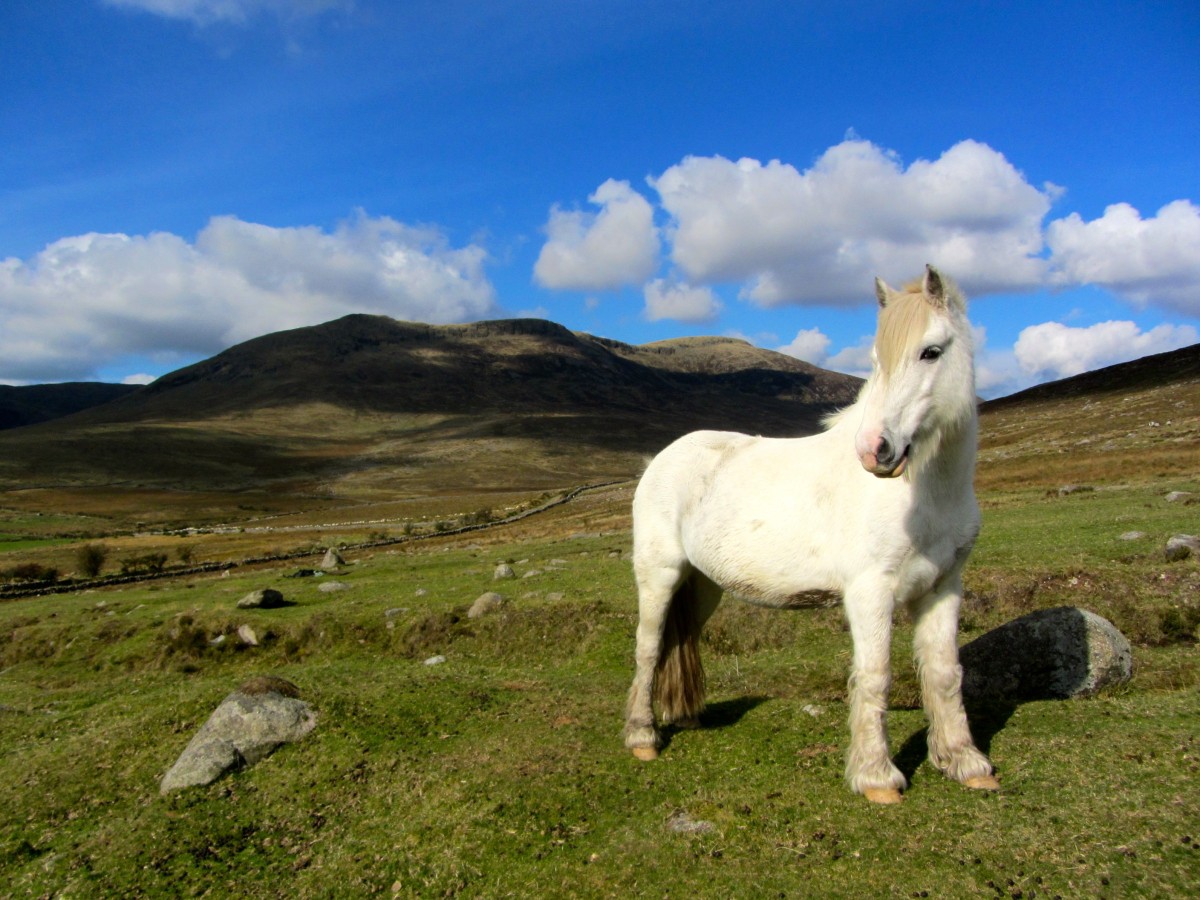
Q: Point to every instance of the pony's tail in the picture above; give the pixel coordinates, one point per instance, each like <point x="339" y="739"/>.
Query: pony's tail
<point x="679" y="677"/>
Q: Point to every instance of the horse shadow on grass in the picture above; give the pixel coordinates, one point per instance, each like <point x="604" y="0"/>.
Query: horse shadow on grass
<point x="987" y="718"/>
<point x="719" y="714"/>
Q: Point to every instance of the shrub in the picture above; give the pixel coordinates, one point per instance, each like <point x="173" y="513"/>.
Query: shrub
<point x="31" y="572"/>
<point x="90" y="559"/>
<point x="138" y="565"/>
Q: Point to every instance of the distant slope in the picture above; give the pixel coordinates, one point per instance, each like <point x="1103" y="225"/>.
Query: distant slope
<point x="367" y="404"/>
<point x="1127" y="423"/>
<point x="1147" y="372"/>
<point x="36" y="403"/>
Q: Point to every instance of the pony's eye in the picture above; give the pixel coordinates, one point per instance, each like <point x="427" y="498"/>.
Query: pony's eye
<point x="929" y="354"/>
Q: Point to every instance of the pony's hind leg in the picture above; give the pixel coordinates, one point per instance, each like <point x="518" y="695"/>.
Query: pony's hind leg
<point x="869" y="768"/>
<point x="656" y="586"/>
<point x="935" y="647"/>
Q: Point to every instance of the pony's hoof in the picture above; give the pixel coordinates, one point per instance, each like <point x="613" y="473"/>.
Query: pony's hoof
<point x="882" y="795"/>
<point x="983" y="783"/>
<point x="646" y="754"/>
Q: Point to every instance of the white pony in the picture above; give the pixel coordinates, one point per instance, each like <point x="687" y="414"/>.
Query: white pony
<point x="878" y="510"/>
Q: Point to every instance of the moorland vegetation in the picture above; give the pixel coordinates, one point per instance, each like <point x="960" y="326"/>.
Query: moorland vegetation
<point x="501" y="770"/>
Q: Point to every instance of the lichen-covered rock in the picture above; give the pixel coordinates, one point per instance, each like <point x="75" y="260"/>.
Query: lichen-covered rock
<point x="502" y="571"/>
<point x="249" y="724"/>
<point x="332" y="560"/>
<point x="1051" y="653"/>
<point x="484" y="604"/>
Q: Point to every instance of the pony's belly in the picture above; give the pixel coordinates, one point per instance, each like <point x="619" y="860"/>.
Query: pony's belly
<point x="807" y="599"/>
<point x="778" y="590"/>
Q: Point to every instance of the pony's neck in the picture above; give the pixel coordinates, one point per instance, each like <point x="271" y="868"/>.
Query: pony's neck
<point x="945" y="461"/>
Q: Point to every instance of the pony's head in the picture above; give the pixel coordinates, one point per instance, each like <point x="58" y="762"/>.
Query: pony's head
<point x="922" y="382"/>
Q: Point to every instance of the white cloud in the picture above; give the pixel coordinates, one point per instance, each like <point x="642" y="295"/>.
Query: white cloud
<point x="1155" y="260"/>
<point x="615" y="247"/>
<point x="85" y="301"/>
<point x="1053" y="350"/>
<point x="682" y="302"/>
<point x="809" y="344"/>
<point x="819" y="236"/>
<point x="207" y="12"/>
<point x="852" y="360"/>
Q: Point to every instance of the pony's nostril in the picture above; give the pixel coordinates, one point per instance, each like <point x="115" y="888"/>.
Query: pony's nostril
<point x="885" y="449"/>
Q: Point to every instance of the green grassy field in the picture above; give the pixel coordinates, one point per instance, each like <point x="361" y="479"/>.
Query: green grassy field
<point x="501" y="772"/>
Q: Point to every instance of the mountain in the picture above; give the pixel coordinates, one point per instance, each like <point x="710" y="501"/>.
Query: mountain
<point x="367" y="405"/>
<point x="36" y="403"/>
<point x="1150" y="371"/>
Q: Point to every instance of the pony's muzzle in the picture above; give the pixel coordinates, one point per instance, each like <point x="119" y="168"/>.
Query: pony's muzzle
<point x="884" y="461"/>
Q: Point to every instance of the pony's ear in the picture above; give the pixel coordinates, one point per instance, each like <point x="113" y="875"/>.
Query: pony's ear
<point x="942" y="292"/>
<point x="934" y="287"/>
<point x="882" y="292"/>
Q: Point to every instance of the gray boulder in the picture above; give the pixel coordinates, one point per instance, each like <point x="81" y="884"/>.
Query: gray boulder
<point x="503" y="570"/>
<point x="332" y="560"/>
<point x="249" y="725"/>
<point x="267" y="598"/>
<point x="484" y="604"/>
<point x="1048" y="654"/>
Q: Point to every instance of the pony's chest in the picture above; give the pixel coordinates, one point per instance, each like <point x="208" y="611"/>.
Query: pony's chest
<point x="932" y="554"/>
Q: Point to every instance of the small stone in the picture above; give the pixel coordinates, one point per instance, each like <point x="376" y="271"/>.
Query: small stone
<point x="395" y="611"/>
<point x="1176" y="496"/>
<point x="435" y="660"/>
<point x="1132" y="536"/>
<point x="532" y="573"/>
<point x="485" y="604"/>
<point x="217" y="641"/>
<point x="247" y="636"/>
<point x="1068" y="489"/>
<point x="504" y="570"/>
<point x="682" y="823"/>
<point x="330" y="587"/>
<point x="267" y="598"/>
<point x="554" y="596"/>
<point x="420" y="592"/>
<point x="813" y="710"/>
<point x="1181" y="546"/>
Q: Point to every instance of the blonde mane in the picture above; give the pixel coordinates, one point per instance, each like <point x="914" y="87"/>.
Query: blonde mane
<point x="901" y="325"/>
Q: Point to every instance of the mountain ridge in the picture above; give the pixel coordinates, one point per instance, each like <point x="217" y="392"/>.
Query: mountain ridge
<point x="372" y="399"/>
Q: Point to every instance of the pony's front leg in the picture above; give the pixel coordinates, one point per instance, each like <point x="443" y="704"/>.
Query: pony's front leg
<point x="935" y="646"/>
<point x="869" y="768"/>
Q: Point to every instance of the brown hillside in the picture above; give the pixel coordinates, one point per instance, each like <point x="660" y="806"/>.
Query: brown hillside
<point x="1128" y="423"/>
<point x="367" y="404"/>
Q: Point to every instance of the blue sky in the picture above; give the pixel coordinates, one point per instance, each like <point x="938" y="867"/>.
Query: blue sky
<point x="177" y="176"/>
